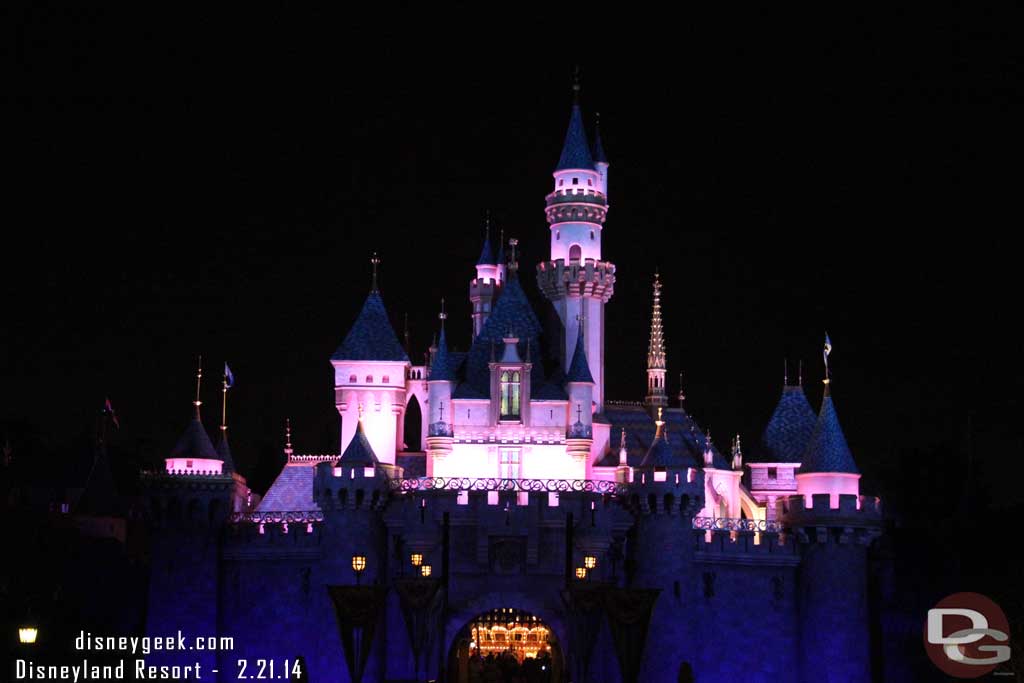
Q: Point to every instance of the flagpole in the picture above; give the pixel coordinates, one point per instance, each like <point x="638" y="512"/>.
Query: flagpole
<point x="224" y="405"/>
<point x="199" y="382"/>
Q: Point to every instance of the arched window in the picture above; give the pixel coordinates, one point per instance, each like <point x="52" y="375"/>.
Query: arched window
<point x="509" y="387"/>
<point x="575" y="253"/>
<point x="352" y="379"/>
<point x="369" y="379"/>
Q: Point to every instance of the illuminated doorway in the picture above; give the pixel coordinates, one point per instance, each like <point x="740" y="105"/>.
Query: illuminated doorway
<point x="505" y="643"/>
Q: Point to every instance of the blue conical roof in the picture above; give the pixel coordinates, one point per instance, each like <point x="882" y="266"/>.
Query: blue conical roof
<point x="195" y="443"/>
<point x="576" y="150"/>
<point x="579" y="369"/>
<point x="224" y="451"/>
<point x="827" y="450"/>
<point x="663" y="454"/>
<point x="789" y="430"/>
<point x="441" y="369"/>
<point x="486" y="254"/>
<point x="371" y="336"/>
<point x="359" y="451"/>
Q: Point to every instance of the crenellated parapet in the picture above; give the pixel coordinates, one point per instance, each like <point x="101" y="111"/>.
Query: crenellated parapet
<point x="353" y="487"/>
<point x="189" y="499"/>
<point x="855" y="519"/>
<point x="588" y="277"/>
<point x="576" y="204"/>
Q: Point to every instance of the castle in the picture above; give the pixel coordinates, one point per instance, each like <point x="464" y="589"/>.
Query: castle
<point x="614" y="541"/>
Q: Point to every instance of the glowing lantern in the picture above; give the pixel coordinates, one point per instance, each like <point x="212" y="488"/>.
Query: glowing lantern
<point x="28" y="634"/>
<point x="589" y="561"/>
<point x="581" y="572"/>
<point x="425" y="570"/>
<point x="358" y="566"/>
<point x="417" y="559"/>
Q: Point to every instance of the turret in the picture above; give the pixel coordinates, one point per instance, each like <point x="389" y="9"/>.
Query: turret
<point x="485" y="288"/>
<point x="576" y="279"/>
<point x="668" y="490"/>
<point x="828" y="466"/>
<point x="656" y="396"/>
<point x="440" y="383"/>
<point x="580" y="385"/>
<point x="370" y="368"/>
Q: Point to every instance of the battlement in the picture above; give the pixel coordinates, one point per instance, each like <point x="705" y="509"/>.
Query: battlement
<point x="274" y="534"/>
<point x="855" y="520"/>
<point x="588" y="277"/>
<point x="744" y="547"/>
<point x="312" y="459"/>
<point x="795" y="506"/>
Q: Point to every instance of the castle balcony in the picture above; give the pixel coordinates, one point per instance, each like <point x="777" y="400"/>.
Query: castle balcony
<point x="590" y="277"/>
<point x="577" y="195"/>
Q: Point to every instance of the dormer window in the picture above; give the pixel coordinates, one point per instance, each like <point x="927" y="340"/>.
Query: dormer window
<point x="509" y="388"/>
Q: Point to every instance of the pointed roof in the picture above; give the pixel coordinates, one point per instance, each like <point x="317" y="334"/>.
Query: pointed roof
<point x="359" y="451"/>
<point x="224" y="451"/>
<point x="827" y="450"/>
<point x="441" y="369"/>
<point x="486" y="254"/>
<point x="579" y="369"/>
<point x="576" y="150"/>
<point x="598" y="153"/>
<point x="663" y="454"/>
<point x="656" y="343"/>
<point x="371" y="337"/>
<point x="789" y="430"/>
<point x="194" y="442"/>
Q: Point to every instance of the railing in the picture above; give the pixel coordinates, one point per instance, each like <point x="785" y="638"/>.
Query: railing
<point x="439" y="429"/>
<point x="549" y="485"/>
<point x="275" y="517"/>
<point x="580" y="431"/>
<point x="730" y="524"/>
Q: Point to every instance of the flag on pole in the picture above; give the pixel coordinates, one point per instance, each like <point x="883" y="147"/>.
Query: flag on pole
<point x="828" y="350"/>
<point x="229" y="378"/>
<point x="109" y="410"/>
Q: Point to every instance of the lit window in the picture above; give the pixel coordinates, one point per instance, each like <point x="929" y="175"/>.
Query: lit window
<point x="509" y="463"/>
<point x="509" y="388"/>
<point x="773" y="473"/>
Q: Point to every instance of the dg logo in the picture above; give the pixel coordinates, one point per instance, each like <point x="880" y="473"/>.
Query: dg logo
<point x="966" y="635"/>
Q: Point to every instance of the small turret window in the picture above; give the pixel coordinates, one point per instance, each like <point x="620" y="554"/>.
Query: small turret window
<point x="509" y="388"/>
<point x="369" y="379"/>
<point x="575" y="181"/>
<point x="773" y="473"/>
<point x="575" y="252"/>
<point x="561" y="181"/>
<point x="590" y="182"/>
<point x="352" y="379"/>
<point x="385" y="379"/>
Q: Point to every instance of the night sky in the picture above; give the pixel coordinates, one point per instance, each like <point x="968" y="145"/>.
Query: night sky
<point x="196" y="185"/>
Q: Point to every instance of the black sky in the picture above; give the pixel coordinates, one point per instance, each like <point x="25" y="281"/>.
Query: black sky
<point x="188" y="185"/>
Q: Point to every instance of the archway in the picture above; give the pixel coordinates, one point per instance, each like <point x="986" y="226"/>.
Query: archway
<point x="506" y="644"/>
<point x="413" y="425"/>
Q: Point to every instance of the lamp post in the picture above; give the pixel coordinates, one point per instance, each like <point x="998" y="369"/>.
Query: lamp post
<point x="425" y="570"/>
<point x="358" y="566"/>
<point x="581" y="573"/>
<point x="416" y="559"/>
<point x="589" y="561"/>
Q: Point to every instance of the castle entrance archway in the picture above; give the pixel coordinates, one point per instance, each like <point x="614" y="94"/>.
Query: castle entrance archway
<point x="506" y="644"/>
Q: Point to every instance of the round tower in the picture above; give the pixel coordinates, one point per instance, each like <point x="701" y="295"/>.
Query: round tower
<point x="575" y="279"/>
<point x="580" y="385"/>
<point x="485" y="288"/>
<point x="667" y="491"/>
<point x="440" y="382"/>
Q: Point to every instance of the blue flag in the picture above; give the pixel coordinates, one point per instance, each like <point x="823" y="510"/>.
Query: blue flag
<point x="828" y="350"/>
<point x="229" y="378"/>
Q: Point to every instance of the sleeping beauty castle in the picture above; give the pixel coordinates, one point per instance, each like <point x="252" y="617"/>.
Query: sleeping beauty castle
<point x="523" y="519"/>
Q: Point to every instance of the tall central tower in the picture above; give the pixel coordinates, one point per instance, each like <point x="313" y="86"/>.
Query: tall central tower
<point x="575" y="279"/>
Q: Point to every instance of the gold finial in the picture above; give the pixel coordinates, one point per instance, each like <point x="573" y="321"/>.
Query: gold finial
<point x="659" y="421"/>
<point x="359" y="406"/>
<point x="442" y="315"/>
<point x="374" y="261"/>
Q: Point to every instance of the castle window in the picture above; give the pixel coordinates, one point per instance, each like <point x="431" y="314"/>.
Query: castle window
<point x="509" y="388"/>
<point x="590" y="182"/>
<point x="352" y="379"/>
<point x="561" y="181"/>
<point x="509" y="461"/>
<point x="385" y="379"/>
<point x="575" y="181"/>
<point x="558" y="234"/>
<point x="369" y="379"/>
<point x="591" y="234"/>
<point x="575" y="252"/>
<point x="773" y="472"/>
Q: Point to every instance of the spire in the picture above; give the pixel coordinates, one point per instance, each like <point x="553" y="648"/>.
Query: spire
<point x="359" y="452"/>
<point x="598" y="154"/>
<point x="223" y="449"/>
<point x="374" y="261"/>
<point x="499" y="257"/>
<point x="288" y="437"/>
<point x="576" y="149"/>
<point x="827" y="450"/>
<point x="371" y="337"/>
<point x="623" y="453"/>
<point x="440" y="368"/>
<point x="656" y="346"/>
<point x="661" y="453"/>
<point x="579" y="369"/>
<point x="737" y="454"/>
<point x="682" y="394"/>
<point x="487" y="253"/>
